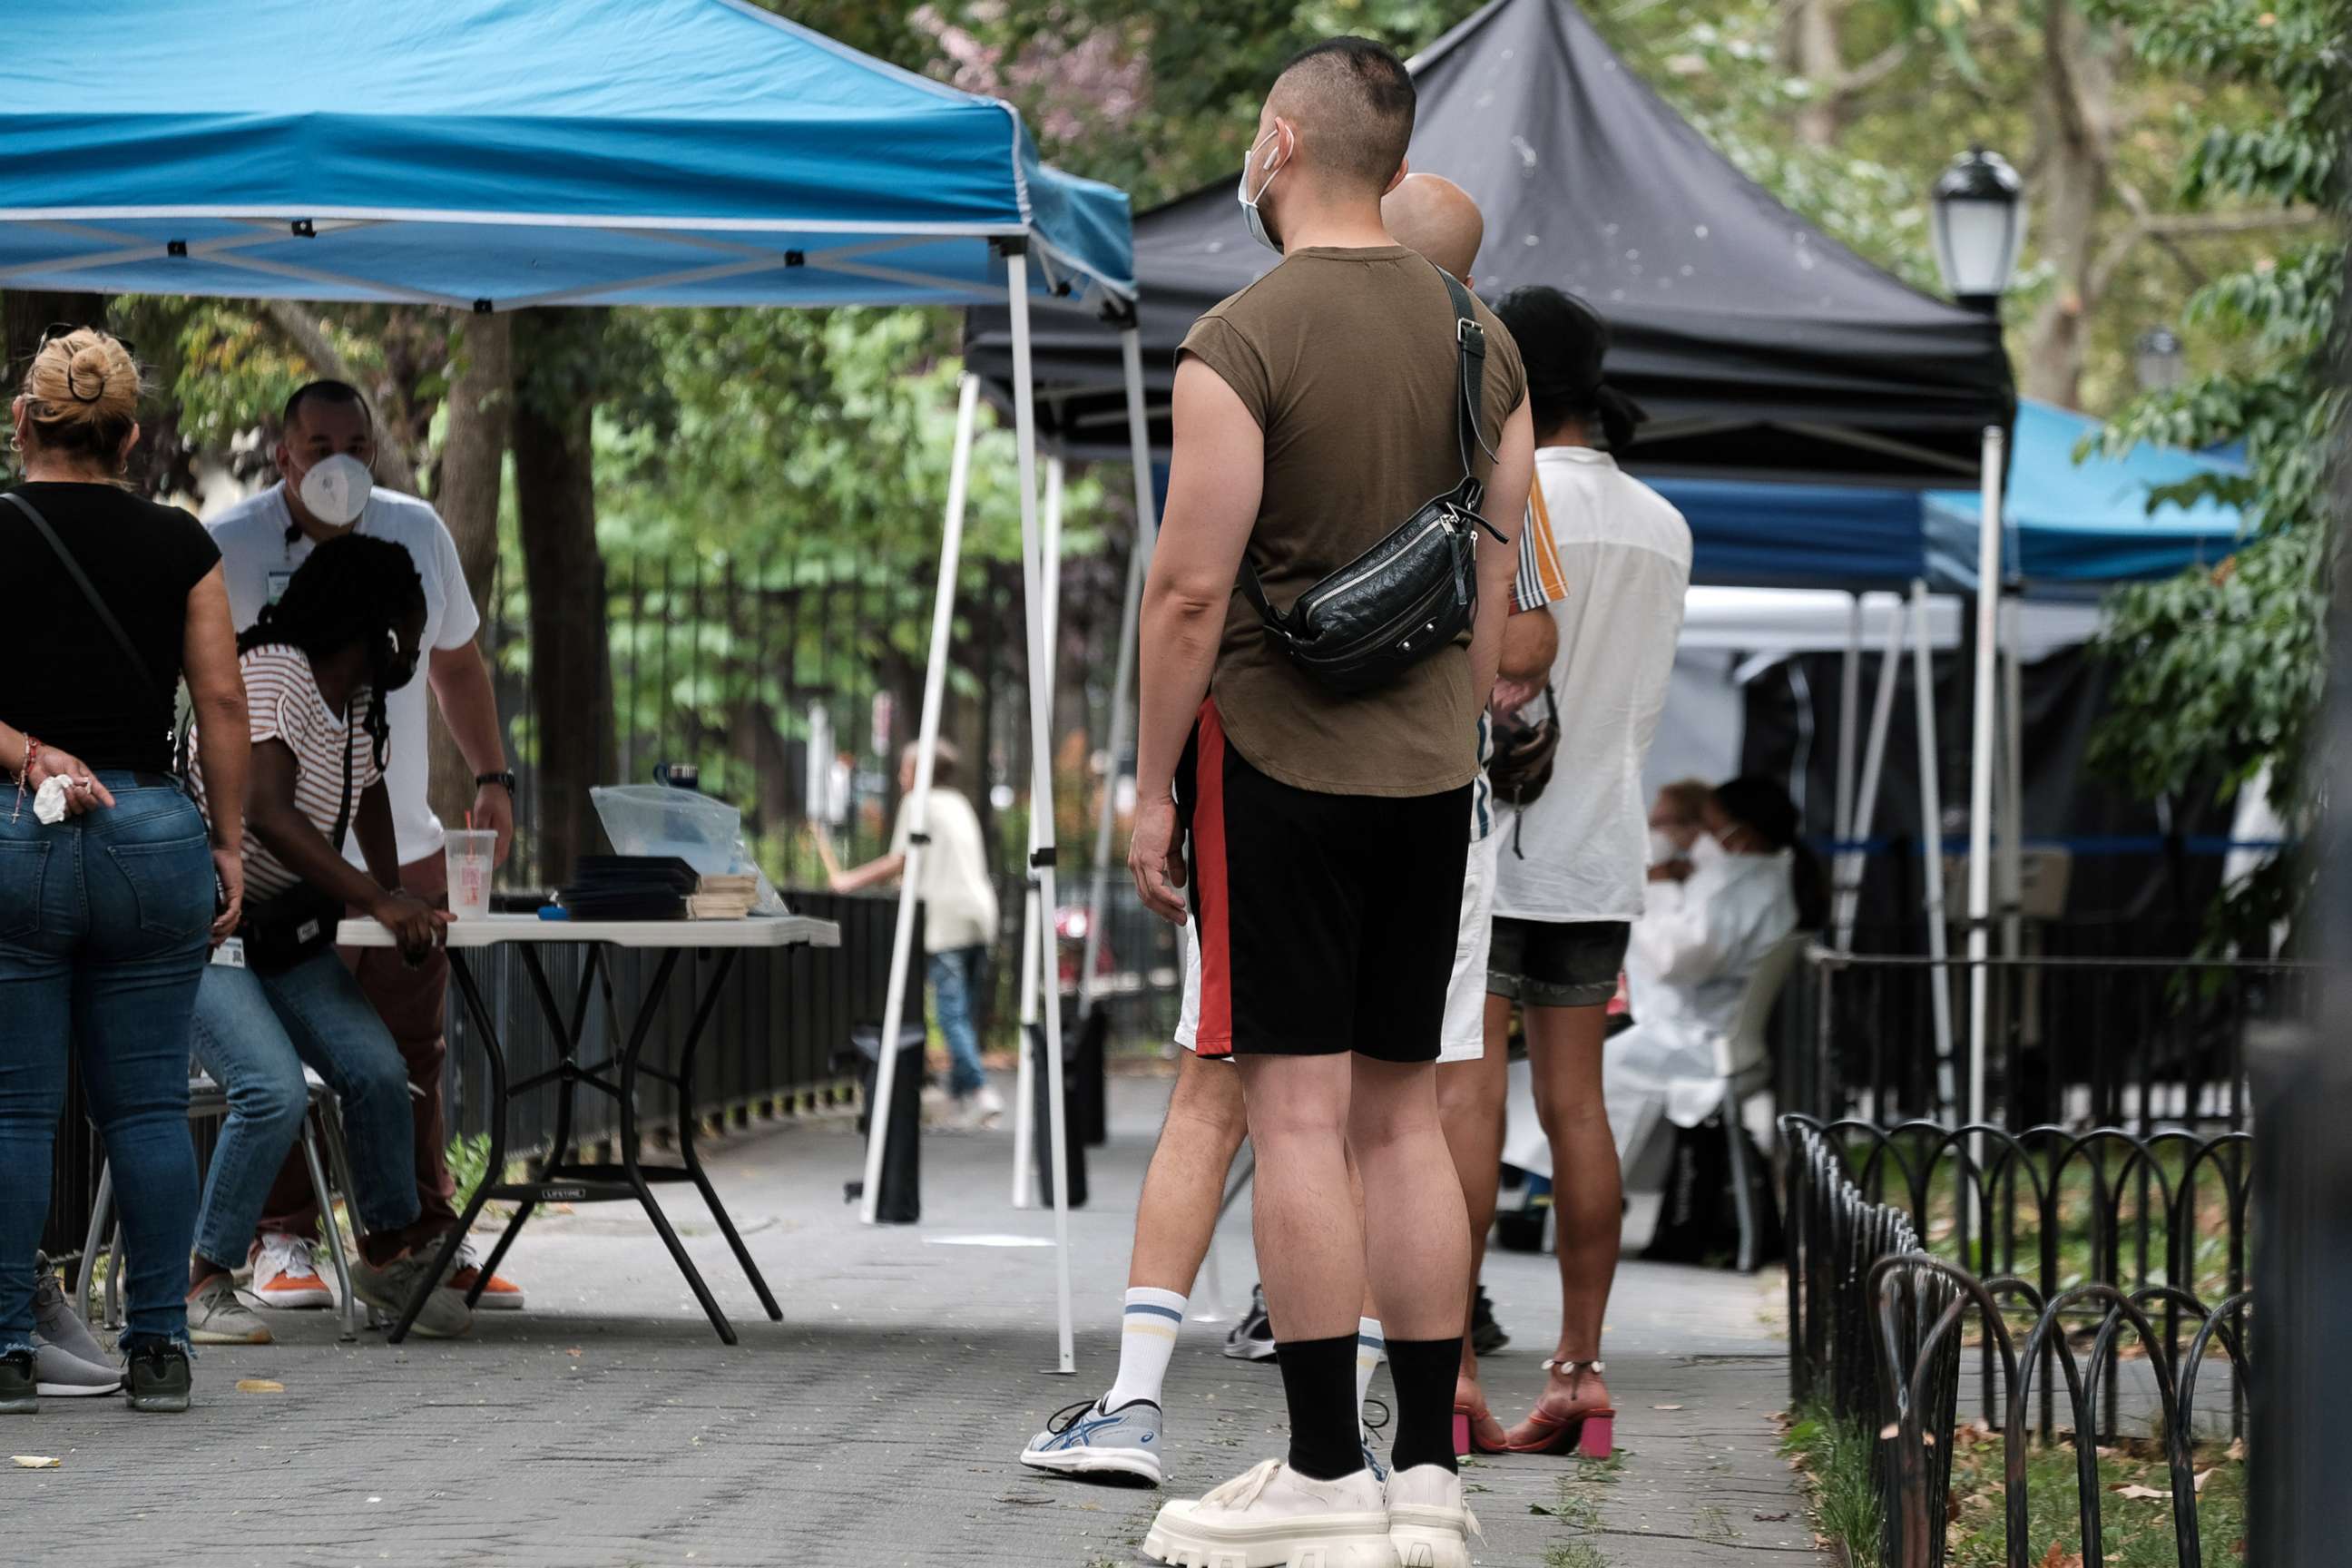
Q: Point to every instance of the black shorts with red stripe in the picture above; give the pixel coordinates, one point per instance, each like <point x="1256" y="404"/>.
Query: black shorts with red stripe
<point x="1328" y="922"/>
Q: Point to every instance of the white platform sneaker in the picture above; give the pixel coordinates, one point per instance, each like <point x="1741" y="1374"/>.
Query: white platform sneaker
<point x="1270" y="1516"/>
<point x="1429" y="1523"/>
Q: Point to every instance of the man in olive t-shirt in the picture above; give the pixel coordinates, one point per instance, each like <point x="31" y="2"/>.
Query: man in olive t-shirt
<point x="1314" y="412"/>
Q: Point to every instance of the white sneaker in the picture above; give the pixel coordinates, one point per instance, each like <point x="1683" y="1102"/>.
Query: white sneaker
<point x="286" y="1273"/>
<point x="982" y="1108"/>
<point x="1271" y="1515"/>
<point x="1429" y="1522"/>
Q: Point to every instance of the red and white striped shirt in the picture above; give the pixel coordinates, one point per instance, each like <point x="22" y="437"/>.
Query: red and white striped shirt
<point x="282" y="704"/>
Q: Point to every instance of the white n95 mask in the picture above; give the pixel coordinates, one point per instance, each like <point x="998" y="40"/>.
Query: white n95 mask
<point x="336" y="490"/>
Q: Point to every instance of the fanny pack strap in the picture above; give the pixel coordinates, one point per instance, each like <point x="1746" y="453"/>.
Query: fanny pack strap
<point x="1470" y="381"/>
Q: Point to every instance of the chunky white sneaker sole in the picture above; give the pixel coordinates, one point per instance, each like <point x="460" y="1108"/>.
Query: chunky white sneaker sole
<point x="1429" y="1537"/>
<point x="1305" y="1541"/>
<point x="1141" y="1463"/>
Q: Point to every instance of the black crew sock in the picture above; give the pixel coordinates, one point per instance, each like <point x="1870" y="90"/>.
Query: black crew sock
<point x="1318" y="1380"/>
<point x="1423" y="1372"/>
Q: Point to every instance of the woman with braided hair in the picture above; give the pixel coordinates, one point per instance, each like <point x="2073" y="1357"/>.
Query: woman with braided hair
<point x="318" y="665"/>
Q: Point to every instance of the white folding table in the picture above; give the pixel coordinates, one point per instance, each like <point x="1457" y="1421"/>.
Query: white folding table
<point x="559" y="1179"/>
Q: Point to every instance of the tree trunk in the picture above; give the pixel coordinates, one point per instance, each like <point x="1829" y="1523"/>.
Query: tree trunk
<point x="466" y="486"/>
<point x="1810" y="50"/>
<point x="2075" y="129"/>
<point x="571" y="657"/>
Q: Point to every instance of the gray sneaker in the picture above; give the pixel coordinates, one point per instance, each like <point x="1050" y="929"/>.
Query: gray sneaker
<point x="388" y="1289"/>
<point x="1087" y="1440"/>
<point x="215" y="1316"/>
<point x="57" y="1323"/>
<point x="64" y="1376"/>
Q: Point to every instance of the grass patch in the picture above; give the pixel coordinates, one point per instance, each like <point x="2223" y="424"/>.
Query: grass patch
<point x="1575" y="1554"/>
<point x="469" y="1164"/>
<point x="2136" y="1531"/>
<point x="1834" y="1458"/>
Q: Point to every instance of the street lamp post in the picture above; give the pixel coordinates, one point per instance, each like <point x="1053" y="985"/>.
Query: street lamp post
<point x="1977" y="212"/>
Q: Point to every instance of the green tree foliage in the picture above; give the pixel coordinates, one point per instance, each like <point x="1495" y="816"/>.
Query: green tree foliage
<point x="2218" y="672"/>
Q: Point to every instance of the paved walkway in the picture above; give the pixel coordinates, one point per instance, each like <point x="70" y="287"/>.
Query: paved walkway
<point x="876" y="1425"/>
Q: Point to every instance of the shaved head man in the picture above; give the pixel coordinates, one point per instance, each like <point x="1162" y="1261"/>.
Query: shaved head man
<point x="1313" y="413"/>
<point x="1431" y="214"/>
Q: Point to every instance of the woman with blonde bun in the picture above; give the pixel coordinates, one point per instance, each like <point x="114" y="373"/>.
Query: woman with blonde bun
<point x="112" y="889"/>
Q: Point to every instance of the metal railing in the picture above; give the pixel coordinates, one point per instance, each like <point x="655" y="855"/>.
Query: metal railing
<point x="1880" y="1308"/>
<point x="2080" y="1042"/>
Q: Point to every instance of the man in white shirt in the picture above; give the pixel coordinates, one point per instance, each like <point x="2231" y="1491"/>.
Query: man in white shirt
<point x="960" y="918"/>
<point x="327" y="442"/>
<point x="1572" y="870"/>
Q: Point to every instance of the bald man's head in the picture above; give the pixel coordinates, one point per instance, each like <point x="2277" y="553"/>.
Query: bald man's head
<point x="1349" y="102"/>
<point x="1431" y="214"/>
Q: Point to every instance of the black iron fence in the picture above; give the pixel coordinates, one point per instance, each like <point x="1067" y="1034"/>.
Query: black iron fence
<point x="791" y="685"/>
<point x="1888" y="1282"/>
<point x="2073" y="1041"/>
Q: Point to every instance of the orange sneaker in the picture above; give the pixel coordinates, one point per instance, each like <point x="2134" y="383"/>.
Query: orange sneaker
<point x="501" y="1295"/>
<point x="285" y="1274"/>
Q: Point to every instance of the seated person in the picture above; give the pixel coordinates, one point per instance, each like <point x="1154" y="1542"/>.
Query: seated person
<point x="316" y="666"/>
<point x="1708" y="922"/>
<point x="1676" y="819"/>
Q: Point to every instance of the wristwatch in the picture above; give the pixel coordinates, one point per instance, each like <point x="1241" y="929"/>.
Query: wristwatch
<point x="505" y="781"/>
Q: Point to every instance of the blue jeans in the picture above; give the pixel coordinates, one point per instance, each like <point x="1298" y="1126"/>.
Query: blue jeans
<point x="255" y="1033"/>
<point x="955" y="976"/>
<point x="103" y="923"/>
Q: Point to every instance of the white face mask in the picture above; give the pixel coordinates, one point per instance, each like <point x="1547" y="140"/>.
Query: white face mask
<point x="1255" y="219"/>
<point x="336" y="490"/>
<point x="1664" y="850"/>
<point x="1707" y="850"/>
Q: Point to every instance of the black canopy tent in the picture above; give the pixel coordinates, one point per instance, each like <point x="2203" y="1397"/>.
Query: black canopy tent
<point x="1761" y="347"/>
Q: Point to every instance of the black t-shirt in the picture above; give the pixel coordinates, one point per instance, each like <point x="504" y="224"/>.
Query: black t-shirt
<point x="64" y="679"/>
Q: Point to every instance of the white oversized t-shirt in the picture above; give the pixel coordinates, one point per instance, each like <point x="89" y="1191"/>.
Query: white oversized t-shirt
<point x="959" y="900"/>
<point x="1581" y="852"/>
<point x="258" y="562"/>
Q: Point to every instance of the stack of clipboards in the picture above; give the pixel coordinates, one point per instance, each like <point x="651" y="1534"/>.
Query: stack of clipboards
<point x="629" y="888"/>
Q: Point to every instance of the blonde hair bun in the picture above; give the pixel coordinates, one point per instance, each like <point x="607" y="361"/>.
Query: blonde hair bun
<point x="82" y="392"/>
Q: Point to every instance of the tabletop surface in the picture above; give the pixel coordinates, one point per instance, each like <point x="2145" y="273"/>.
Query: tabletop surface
<point x="758" y="930"/>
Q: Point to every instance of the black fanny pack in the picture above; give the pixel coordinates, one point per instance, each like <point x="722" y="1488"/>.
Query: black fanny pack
<point x="296" y="925"/>
<point x="1417" y="590"/>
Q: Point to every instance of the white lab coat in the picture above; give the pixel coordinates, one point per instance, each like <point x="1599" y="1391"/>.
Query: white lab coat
<point x="1686" y="970"/>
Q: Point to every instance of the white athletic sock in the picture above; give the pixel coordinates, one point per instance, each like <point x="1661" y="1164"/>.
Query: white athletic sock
<point x="1146" y="1339"/>
<point x="1369" y="1346"/>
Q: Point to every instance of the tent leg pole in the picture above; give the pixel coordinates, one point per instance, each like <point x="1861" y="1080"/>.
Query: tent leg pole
<point x="1873" y="760"/>
<point x="2011" y="855"/>
<point x="1931" y="844"/>
<point x="1038" y="929"/>
<point x="1849" y="721"/>
<point x="1980" y="765"/>
<point x="927" y="741"/>
<point x="1039" y="576"/>
<point x="1138" y="566"/>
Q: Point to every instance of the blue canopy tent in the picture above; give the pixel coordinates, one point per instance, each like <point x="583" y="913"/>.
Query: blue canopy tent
<point x="2082" y="525"/>
<point x="495" y="154"/>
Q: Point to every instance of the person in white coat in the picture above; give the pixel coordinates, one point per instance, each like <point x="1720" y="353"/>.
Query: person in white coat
<point x="1711" y="918"/>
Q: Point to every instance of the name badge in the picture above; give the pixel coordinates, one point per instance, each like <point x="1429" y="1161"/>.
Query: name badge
<point x="277" y="581"/>
<point x="230" y="954"/>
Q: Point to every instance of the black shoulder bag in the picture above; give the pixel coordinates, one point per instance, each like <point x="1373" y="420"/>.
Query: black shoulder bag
<point x="290" y="927"/>
<point x="1417" y="590"/>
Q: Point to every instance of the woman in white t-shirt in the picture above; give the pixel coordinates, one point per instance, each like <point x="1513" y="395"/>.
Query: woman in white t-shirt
<point x="1568" y="882"/>
<point x="276" y="998"/>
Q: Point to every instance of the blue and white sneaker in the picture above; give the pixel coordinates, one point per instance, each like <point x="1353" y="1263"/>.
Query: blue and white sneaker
<point x="1087" y="1440"/>
<point x="1365" y="1428"/>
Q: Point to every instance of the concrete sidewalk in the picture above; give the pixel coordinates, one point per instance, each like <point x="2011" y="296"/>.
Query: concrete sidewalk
<point x="876" y="1425"/>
